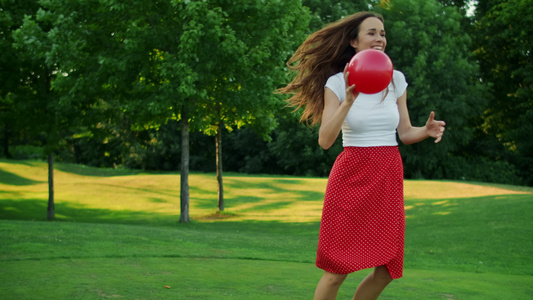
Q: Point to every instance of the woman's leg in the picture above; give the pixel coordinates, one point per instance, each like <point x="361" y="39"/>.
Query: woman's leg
<point x="329" y="285"/>
<point x="372" y="286"/>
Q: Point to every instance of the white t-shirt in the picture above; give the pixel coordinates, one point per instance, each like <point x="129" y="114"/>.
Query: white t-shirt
<point x="371" y="122"/>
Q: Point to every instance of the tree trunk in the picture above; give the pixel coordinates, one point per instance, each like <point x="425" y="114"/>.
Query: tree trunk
<point x="219" y="167"/>
<point x="51" y="206"/>
<point x="184" y="174"/>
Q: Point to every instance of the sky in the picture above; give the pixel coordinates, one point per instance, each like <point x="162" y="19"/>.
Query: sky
<point x="471" y="8"/>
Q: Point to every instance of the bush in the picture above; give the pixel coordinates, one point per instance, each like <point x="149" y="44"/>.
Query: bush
<point x="481" y="169"/>
<point x="27" y="152"/>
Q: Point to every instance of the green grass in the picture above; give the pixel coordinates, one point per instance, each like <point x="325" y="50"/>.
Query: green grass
<point x="118" y="236"/>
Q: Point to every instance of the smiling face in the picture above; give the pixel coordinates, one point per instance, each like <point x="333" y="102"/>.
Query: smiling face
<point x="371" y="35"/>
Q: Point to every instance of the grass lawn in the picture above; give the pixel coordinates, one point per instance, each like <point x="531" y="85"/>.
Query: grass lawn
<point x="118" y="236"/>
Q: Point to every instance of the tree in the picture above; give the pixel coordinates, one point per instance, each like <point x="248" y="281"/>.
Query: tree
<point x="249" y="66"/>
<point x="33" y="100"/>
<point x="427" y="43"/>
<point x="503" y="46"/>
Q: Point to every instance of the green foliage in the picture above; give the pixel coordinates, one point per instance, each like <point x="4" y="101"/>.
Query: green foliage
<point x="324" y="12"/>
<point x="481" y="169"/>
<point x="251" y="63"/>
<point x="292" y="150"/>
<point x="503" y="46"/>
<point x="28" y="152"/>
<point x="461" y="5"/>
<point x="426" y="42"/>
<point x="122" y="69"/>
<point x="26" y="105"/>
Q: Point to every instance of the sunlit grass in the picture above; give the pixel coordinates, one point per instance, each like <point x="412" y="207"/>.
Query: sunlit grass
<point x="429" y="190"/>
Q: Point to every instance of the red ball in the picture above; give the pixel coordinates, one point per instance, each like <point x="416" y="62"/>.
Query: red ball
<point x="370" y="71"/>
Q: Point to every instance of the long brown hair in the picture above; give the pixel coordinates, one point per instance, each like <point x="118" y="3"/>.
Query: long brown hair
<point x="323" y="54"/>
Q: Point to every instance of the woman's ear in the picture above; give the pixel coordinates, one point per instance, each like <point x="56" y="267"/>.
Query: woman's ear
<point x="353" y="43"/>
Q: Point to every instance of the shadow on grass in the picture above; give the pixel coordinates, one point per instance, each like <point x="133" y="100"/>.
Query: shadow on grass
<point x="267" y="198"/>
<point x="36" y="210"/>
<point x="25" y="162"/>
<point x="14" y="179"/>
<point x="83" y="170"/>
<point x="486" y="208"/>
<point x="77" y="169"/>
<point x="121" y="187"/>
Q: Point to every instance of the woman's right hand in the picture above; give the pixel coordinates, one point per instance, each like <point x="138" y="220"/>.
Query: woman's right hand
<point x="351" y="92"/>
<point x="334" y="113"/>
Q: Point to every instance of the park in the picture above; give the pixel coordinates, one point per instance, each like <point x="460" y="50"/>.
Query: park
<point x="146" y="152"/>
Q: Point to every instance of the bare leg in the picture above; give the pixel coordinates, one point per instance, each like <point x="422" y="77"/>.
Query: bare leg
<point x="329" y="285"/>
<point x="372" y="286"/>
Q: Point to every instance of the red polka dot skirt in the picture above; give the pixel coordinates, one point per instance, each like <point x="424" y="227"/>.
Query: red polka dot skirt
<point x="363" y="220"/>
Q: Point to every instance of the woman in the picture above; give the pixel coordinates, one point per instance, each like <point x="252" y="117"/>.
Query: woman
<point x="363" y="218"/>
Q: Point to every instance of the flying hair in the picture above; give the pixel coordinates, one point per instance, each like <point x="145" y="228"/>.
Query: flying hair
<point x="323" y="54"/>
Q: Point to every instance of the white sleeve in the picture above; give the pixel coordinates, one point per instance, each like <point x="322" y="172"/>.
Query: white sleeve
<point x="400" y="84"/>
<point x="337" y="85"/>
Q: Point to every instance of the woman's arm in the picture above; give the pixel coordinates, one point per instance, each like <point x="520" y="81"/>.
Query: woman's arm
<point x="409" y="134"/>
<point x="334" y="114"/>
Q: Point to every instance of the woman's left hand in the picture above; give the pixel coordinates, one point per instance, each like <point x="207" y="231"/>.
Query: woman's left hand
<point x="435" y="128"/>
